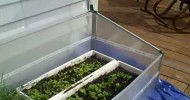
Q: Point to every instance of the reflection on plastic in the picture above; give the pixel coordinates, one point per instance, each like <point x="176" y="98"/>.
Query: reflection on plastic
<point x="118" y="54"/>
<point x="165" y="91"/>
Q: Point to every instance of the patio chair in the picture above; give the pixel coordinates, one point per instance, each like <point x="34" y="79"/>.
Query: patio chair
<point x="145" y="9"/>
<point x="162" y="14"/>
<point x="184" y="12"/>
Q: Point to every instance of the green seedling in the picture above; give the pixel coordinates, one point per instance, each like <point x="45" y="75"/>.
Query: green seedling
<point x="8" y="93"/>
<point x="105" y="87"/>
<point x="49" y="87"/>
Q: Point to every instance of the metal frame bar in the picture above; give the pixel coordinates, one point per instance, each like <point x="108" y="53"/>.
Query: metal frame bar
<point x="93" y="43"/>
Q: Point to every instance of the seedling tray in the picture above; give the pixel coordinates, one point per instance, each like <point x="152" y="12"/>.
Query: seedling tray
<point x="102" y="76"/>
<point x="66" y="76"/>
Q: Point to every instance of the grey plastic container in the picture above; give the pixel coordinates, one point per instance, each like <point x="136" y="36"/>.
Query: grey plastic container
<point x="36" y="36"/>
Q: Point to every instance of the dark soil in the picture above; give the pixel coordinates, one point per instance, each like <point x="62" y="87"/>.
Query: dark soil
<point x="104" y="92"/>
<point x="50" y="86"/>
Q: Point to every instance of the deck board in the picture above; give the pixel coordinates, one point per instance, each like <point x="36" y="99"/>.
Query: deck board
<point x="181" y="86"/>
<point x="172" y="58"/>
<point x="175" y="74"/>
<point x="187" y="91"/>
<point x="176" y="45"/>
<point x="163" y="77"/>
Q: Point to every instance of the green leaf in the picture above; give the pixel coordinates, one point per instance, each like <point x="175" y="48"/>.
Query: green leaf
<point x="83" y="91"/>
<point x="93" y="95"/>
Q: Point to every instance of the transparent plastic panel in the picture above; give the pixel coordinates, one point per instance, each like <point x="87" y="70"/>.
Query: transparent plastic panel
<point x="34" y="7"/>
<point x="142" y="80"/>
<point x="30" y="17"/>
<point x="121" y="44"/>
<point x="15" y="10"/>
<point x="32" y="55"/>
<point x="10" y="12"/>
<point x="5" y="2"/>
<point x="148" y="89"/>
<point x="117" y="42"/>
<point x="59" y="9"/>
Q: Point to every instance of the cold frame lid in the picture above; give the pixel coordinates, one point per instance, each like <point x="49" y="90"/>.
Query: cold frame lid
<point x="17" y="16"/>
<point x="32" y="29"/>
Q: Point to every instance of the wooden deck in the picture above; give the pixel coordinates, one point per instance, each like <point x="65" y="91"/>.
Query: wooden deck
<point x="176" y="45"/>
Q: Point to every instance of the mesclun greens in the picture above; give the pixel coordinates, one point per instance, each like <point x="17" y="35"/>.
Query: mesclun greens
<point x="105" y="87"/>
<point x="7" y="93"/>
<point x="48" y="87"/>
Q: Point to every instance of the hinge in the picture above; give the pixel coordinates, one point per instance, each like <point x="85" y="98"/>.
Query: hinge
<point x="92" y="9"/>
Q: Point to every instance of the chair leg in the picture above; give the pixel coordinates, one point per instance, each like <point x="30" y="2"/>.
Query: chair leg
<point x="181" y="8"/>
<point x="181" y="5"/>
<point x="145" y="9"/>
<point x="178" y="16"/>
<point x="165" y="11"/>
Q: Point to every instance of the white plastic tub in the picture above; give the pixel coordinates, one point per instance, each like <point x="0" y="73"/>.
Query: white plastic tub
<point x="69" y="64"/>
<point x="95" y="76"/>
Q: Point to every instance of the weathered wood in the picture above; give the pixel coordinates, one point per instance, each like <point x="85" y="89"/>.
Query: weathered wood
<point x="181" y="86"/>
<point x="162" y="37"/>
<point x="169" y="48"/>
<point x="175" y="74"/>
<point x="163" y="77"/>
<point x="166" y="45"/>
<point x="182" y="37"/>
<point x="177" y="56"/>
<point x="187" y="91"/>
<point x="176" y="64"/>
<point x="172" y="58"/>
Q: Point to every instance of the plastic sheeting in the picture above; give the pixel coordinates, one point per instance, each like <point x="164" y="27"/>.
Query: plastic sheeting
<point x="166" y="91"/>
